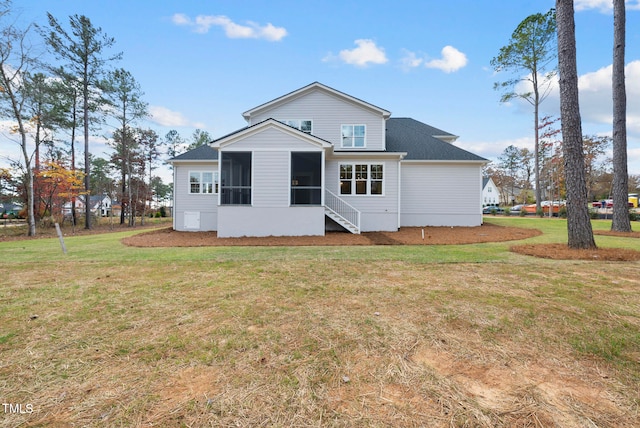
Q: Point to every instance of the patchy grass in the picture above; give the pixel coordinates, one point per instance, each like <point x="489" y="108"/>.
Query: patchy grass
<point x="351" y="336"/>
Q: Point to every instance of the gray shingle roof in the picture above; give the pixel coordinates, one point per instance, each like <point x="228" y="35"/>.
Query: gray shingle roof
<point x="415" y="138"/>
<point x="202" y="153"/>
<point x="418" y="141"/>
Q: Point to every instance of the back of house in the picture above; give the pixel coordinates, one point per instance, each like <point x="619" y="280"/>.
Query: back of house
<point x="317" y="159"/>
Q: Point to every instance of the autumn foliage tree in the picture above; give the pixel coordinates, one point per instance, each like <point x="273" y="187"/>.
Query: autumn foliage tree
<point x="59" y="185"/>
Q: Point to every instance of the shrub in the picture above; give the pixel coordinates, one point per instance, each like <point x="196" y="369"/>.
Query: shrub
<point x="540" y="212"/>
<point x="634" y="216"/>
<point x="562" y="212"/>
<point x="163" y="211"/>
<point x="523" y="213"/>
<point x="507" y="212"/>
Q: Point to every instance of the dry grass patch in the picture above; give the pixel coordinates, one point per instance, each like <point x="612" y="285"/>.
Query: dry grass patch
<point x="302" y="343"/>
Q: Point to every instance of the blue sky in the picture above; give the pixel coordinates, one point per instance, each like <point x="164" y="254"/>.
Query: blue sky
<point x="201" y="64"/>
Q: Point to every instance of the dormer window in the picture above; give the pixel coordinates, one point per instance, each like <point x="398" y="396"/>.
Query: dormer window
<point x="302" y="125"/>
<point x="353" y="136"/>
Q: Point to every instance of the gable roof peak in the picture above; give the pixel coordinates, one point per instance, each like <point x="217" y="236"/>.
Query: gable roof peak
<point x="313" y="87"/>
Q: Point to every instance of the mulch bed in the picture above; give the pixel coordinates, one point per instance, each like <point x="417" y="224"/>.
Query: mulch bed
<point x="563" y="252"/>
<point x="405" y="236"/>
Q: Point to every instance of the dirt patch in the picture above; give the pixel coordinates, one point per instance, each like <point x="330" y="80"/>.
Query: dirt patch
<point x="522" y="390"/>
<point x="168" y="237"/>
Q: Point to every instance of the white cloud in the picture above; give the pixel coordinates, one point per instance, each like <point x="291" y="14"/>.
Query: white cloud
<point x="492" y="149"/>
<point x="452" y="60"/>
<point x="596" y="106"/>
<point x="165" y="117"/>
<point x="366" y="53"/>
<point x="604" y="6"/>
<point x="410" y="60"/>
<point x="252" y="30"/>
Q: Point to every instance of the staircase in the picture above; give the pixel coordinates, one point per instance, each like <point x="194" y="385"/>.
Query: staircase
<point x="341" y="212"/>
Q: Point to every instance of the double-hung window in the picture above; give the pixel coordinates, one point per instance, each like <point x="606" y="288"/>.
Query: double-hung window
<point x="201" y="182"/>
<point x="302" y="125"/>
<point x="361" y="179"/>
<point x="354" y="136"/>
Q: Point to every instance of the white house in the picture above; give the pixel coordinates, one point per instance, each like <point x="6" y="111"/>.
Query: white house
<point x="100" y="205"/>
<point x="318" y="159"/>
<point x="490" y="194"/>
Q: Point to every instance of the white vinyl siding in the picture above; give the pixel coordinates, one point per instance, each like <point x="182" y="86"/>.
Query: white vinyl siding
<point x="328" y="114"/>
<point x="271" y="179"/>
<point x="271" y="139"/>
<point x="446" y="194"/>
<point x="191" y="206"/>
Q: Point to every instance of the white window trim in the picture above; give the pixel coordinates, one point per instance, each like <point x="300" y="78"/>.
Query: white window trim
<point x="352" y="138"/>
<point x="215" y="183"/>
<point x="299" y="124"/>
<point x="353" y="179"/>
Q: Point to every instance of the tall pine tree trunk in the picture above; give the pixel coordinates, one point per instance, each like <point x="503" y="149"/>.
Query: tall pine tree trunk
<point x="580" y="232"/>
<point x="621" y="221"/>
<point x="87" y="167"/>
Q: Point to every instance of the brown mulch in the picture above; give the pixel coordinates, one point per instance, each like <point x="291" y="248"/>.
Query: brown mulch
<point x="621" y="234"/>
<point x="168" y="237"/>
<point x="563" y="252"/>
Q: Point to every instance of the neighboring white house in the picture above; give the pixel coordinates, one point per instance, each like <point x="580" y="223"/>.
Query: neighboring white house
<point x="490" y="194"/>
<point x="318" y="159"/>
<point x="100" y="205"/>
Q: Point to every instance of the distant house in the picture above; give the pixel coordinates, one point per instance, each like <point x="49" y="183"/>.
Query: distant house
<point x="317" y="159"/>
<point x="100" y="205"/>
<point x="10" y="209"/>
<point x="490" y="193"/>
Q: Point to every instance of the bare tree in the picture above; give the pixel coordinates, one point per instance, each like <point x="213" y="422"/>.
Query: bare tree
<point x="621" y="221"/>
<point x="16" y="60"/>
<point x="580" y="232"/>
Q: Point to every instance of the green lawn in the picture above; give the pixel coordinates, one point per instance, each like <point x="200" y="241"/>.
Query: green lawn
<point x="466" y="335"/>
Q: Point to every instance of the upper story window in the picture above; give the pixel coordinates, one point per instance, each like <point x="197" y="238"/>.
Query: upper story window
<point x="302" y="125"/>
<point x="203" y="182"/>
<point x="354" y="136"/>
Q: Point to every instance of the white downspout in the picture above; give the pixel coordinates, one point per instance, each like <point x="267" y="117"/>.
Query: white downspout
<point x="399" y="190"/>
